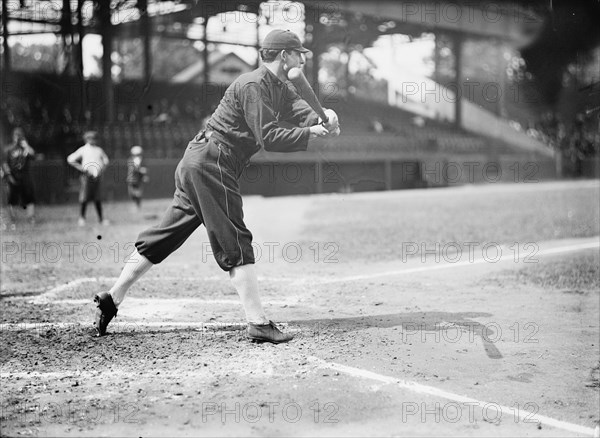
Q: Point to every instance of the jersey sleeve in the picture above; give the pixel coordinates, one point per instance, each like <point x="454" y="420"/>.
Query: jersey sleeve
<point x="297" y="111"/>
<point x="75" y="157"/>
<point x="261" y="118"/>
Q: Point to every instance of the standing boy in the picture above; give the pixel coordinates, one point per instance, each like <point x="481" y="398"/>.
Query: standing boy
<point x="136" y="176"/>
<point x="91" y="161"/>
<point x="247" y="120"/>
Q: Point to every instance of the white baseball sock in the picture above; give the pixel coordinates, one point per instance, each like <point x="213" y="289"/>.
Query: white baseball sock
<point x="136" y="266"/>
<point x="245" y="282"/>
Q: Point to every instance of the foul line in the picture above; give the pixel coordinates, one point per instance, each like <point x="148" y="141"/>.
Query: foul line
<point x="53" y="292"/>
<point x="127" y="326"/>
<point x="518" y="414"/>
<point x="178" y="301"/>
<point x="430" y="390"/>
<point x="559" y="250"/>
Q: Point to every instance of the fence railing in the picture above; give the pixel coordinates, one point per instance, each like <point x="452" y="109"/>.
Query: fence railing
<point x="292" y="174"/>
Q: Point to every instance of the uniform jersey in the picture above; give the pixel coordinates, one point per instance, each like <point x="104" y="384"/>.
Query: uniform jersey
<point x="249" y="116"/>
<point x="207" y="190"/>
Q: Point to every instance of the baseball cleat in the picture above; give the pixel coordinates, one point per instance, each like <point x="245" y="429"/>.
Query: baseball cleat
<point x="105" y="313"/>
<point x="267" y="333"/>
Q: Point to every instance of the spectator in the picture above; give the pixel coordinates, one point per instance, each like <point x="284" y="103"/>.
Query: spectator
<point x="91" y="161"/>
<point x="15" y="170"/>
<point x="137" y="175"/>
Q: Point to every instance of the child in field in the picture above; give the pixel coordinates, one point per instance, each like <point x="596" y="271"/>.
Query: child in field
<point x="16" y="171"/>
<point x="91" y="161"/>
<point x="136" y="176"/>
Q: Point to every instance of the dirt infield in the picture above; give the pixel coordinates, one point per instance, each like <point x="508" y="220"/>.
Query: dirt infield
<point x="458" y="312"/>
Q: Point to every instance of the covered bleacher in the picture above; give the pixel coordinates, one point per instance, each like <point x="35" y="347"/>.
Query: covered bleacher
<point x="56" y="108"/>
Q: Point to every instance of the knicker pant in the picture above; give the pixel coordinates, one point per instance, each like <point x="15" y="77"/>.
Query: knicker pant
<point x="21" y="194"/>
<point x="206" y="192"/>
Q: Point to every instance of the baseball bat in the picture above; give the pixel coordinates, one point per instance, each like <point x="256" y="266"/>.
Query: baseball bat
<point x="296" y="76"/>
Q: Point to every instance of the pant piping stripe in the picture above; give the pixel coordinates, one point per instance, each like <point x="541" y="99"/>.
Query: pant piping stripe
<point x="237" y="237"/>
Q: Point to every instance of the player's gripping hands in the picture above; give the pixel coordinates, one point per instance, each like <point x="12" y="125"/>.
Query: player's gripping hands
<point x="318" y="131"/>
<point x="333" y="124"/>
<point x="326" y="130"/>
<point x="28" y="149"/>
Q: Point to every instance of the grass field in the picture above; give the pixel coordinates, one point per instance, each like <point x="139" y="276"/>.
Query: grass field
<point x="469" y="311"/>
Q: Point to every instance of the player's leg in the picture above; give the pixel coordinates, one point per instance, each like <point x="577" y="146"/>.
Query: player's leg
<point x="134" y="194"/>
<point x="137" y="198"/>
<point x="219" y="202"/>
<point x="13" y="199"/>
<point x="135" y="266"/>
<point x="30" y="212"/>
<point x="82" y="210"/>
<point x="29" y="199"/>
<point x="152" y="247"/>
<point x="83" y="199"/>
<point x="245" y="281"/>
<point x="98" y="205"/>
<point x="95" y="194"/>
<point x="155" y="244"/>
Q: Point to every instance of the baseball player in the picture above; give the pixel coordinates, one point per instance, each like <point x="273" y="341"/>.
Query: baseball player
<point x="136" y="176"/>
<point x="16" y="171"/>
<point x="247" y="120"/>
<point x="91" y="161"/>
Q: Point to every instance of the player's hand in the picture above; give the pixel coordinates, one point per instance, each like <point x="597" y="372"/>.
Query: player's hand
<point x="28" y="149"/>
<point x="318" y="131"/>
<point x="332" y="120"/>
<point x="334" y="133"/>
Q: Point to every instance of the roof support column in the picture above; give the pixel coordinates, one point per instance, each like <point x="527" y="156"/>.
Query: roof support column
<point x="458" y="49"/>
<point x="258" y="38"/>
<point x="206" y="72"/>
<point x="79" y="45"/>
<point x="6" y="55"/>
<point x="313" y="27"/>
<point x="104" y="16"/>
<point x="146" y="32"/>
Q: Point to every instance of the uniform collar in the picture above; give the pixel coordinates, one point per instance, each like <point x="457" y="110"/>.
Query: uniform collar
<point x="272" y="75"/>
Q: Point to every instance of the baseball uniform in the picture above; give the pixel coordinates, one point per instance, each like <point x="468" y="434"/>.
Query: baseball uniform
<point x="207" y="192"/>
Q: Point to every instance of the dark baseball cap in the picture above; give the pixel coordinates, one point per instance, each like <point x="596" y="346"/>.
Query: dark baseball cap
<point x="283" y="39"/>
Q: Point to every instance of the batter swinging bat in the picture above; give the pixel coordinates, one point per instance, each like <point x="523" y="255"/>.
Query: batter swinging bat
<point x="296" y="76"/>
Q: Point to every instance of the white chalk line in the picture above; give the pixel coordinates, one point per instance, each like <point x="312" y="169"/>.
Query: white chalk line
<point x="53" y="292"/>
<point x="157" y="302"/>
<point x="448" y="265"/>
<point x="523" y="415"/>
<point x="129" y="326"/>
<point x="78" y="374"/>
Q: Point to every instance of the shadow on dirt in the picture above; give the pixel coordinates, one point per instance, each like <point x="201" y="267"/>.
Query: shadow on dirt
<point x="415" y="327"/>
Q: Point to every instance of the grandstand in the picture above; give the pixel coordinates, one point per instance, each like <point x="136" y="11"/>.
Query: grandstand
<point x="377" y="144"/>
<point x="401" y="133"/>
<point x="165" y="128"/>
